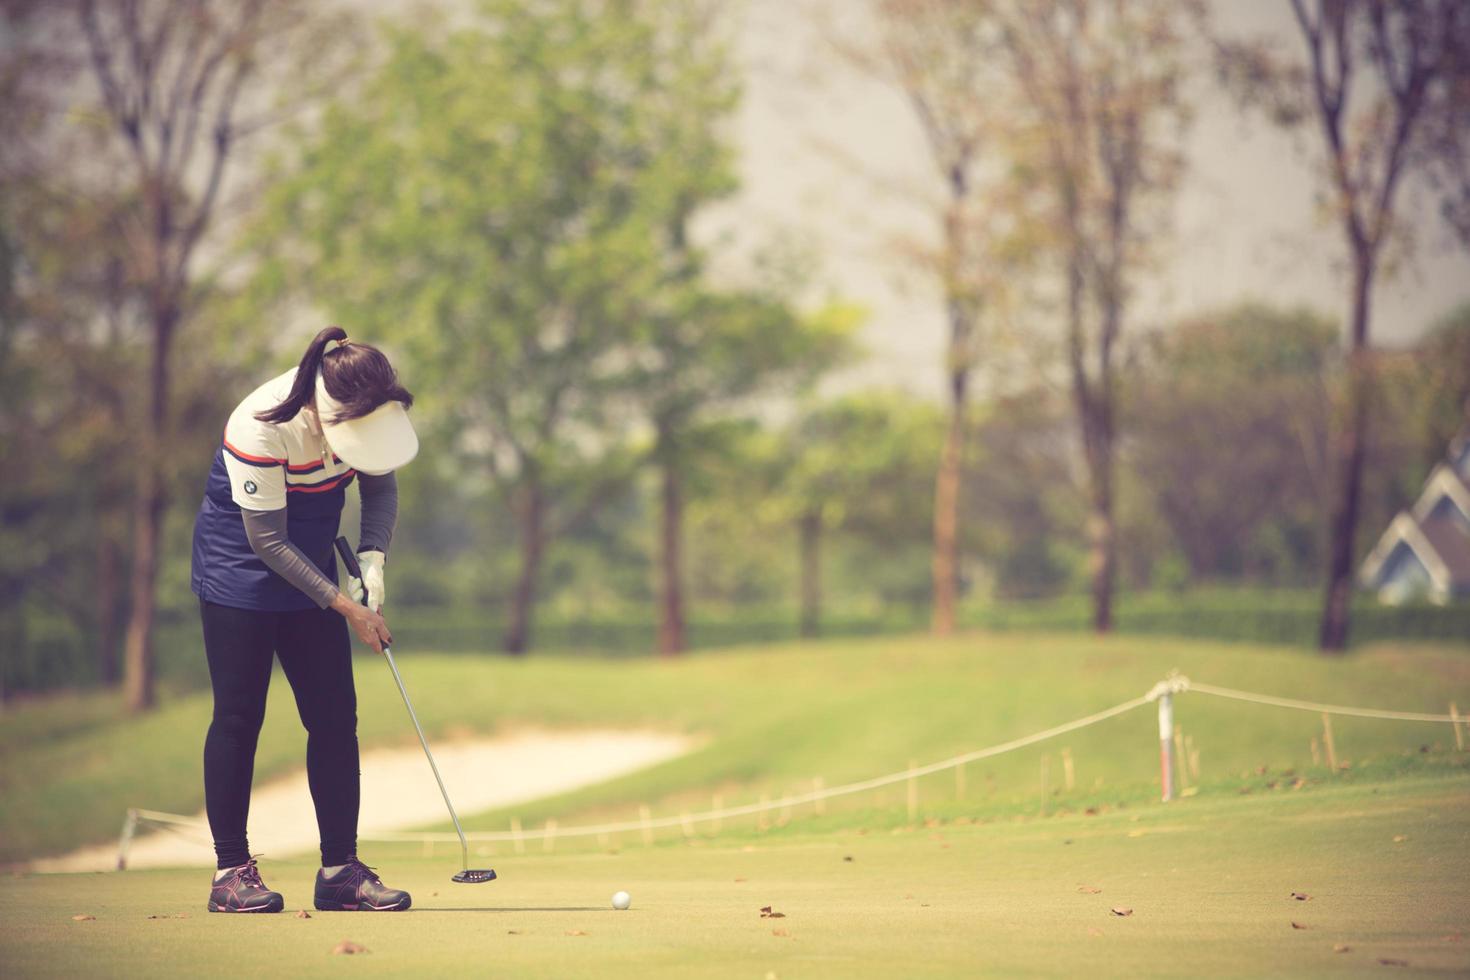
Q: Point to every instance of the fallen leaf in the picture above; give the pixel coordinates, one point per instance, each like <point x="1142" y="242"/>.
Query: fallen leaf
<point x="576" y="932"/>
<point x="83" y="918"/>
<point x="1090" y="812"/>
<point x="1341" y="948"/>
<point x="1298" y="925"/>
<point x="768" y="913"/>
<point x="1399" y="838"/>
<point x="1089" y="890"/>
<point x="739" y="879"/>
<point x="779" y="932"/>
<point x="847" y="857"/>
<point x="348" y="948"/>
<point x="1301" y="896"/>
<point x="512" y="932"/>
<point x="1392" y="962"/>
<point x="1119" y="910"/>
<point x="303" y="914"/>
<point x="158" y="917"/>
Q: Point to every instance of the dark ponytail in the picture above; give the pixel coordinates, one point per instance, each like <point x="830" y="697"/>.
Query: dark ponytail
<point x="357" y="375"/>
<point x="303" y="389"/>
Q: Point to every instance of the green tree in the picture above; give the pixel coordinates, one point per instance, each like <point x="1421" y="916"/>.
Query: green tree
<point x="1227" y="413"/>
<point x="526" y="174"/>
<point x="861" y="465"/>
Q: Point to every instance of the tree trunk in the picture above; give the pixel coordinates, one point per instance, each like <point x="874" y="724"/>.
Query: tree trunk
<point x="1351" y="447"/>
<point x="149" y="510"/>
<point x="810" y="535"/>
<point x="671" y="640"/>
<point x="947" y="525"/>
<point x="109" y="587"/>
<point x="138" y="653"/>
<point x="1102" y="538"/>
<point x="531" y="519"/>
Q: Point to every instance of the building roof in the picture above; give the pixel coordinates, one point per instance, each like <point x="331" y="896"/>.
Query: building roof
<point x="1451" y="542"/>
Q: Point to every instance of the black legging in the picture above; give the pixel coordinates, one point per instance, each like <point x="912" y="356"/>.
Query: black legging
<point x="316" y="655"/>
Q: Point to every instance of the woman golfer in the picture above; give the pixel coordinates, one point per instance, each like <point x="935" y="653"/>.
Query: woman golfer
<point x="266" y="577"/>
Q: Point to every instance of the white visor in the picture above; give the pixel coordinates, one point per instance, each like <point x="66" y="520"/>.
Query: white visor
<point x="380" y="442"/>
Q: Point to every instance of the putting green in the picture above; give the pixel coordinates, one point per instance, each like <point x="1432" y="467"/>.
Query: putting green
<point x="1209" y="880"/>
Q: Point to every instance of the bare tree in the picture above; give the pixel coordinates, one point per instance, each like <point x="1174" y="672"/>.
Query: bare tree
<point x="1101" y="80"/>
<point x="942" y="55"/>
<point x="1383" y="85"/>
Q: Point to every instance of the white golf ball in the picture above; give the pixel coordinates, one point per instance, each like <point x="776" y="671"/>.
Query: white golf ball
<point x="622" y="900"/>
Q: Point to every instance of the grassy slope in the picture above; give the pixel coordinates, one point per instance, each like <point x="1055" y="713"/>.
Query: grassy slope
<point x="1209" y="880"/>
<point x="775" y="717"/>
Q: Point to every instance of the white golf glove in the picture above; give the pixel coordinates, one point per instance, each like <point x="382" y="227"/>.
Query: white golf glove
<point x="372" y="574"/>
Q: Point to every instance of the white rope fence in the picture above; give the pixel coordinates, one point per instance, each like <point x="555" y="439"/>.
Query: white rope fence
<point x="1162" y="693"/>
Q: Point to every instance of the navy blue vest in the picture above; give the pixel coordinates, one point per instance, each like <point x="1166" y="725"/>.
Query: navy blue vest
<point x="226" y="570"/>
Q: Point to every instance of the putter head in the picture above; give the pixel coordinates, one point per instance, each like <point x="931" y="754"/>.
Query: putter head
<point x="475" y="876"/>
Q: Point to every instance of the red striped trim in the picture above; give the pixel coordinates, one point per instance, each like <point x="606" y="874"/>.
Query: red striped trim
<point x="321" y="487"/>
<point x="252" y="458"/>
<point x="312" y="466"/>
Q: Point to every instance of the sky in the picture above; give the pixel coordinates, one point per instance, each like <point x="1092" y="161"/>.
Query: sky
<point x="819" y="142"/>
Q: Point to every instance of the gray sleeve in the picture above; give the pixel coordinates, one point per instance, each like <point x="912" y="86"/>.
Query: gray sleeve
<point x="266" y="530"/>
<point x="379" y="511"/>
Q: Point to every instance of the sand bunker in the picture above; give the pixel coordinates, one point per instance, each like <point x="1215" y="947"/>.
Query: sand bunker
<point x="399" y="793"/>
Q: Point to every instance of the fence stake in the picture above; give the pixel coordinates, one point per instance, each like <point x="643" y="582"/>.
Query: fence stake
<point x="515" y="828"/>
<point x="688" y="824"/>
<point x="1455" y="724"/>
<point x="717" y="804"/>
<point x="125" y="841"/>
<point x="761" y="822"/>
<point x="818" y="784"/>
<point x="548" y="837"/>
<point x="1166" y="748"/>
<point x="1327" y="741"/>
<point x="1316" y="752"/>
<point x="1068" y="774"/>
<point x="1045" y="778"/>
<point x="785" y="817"/>
<point x="602" y="841"/>
<point x="1192" y="755"/>
<point x="913" y="791"/>
<point x="646" y="815"/>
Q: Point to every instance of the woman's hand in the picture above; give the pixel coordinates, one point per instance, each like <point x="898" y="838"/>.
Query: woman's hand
<point x="370" y="628"/>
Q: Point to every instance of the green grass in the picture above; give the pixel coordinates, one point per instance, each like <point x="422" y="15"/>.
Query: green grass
<point x="1209" y="880"/>
<point x="987" y="882"/>
<point x="772" y="719"/>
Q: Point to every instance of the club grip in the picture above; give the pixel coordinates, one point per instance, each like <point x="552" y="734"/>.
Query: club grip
<point x="349" y="560"/>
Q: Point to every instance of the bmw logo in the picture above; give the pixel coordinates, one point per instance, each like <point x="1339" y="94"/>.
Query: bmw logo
<point x="250" y="486"/>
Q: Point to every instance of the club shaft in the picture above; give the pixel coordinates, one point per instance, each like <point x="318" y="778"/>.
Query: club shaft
<point x="463" y="845"/>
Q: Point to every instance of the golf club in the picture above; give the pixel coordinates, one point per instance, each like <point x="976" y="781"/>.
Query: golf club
<point x="469" y="876"/>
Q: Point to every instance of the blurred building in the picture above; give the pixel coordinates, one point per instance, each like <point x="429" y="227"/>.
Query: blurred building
<point x="1425" y="553"/>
